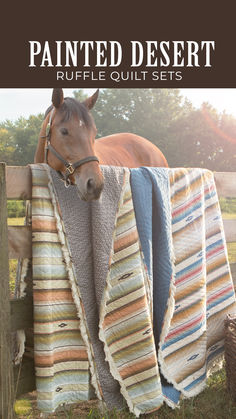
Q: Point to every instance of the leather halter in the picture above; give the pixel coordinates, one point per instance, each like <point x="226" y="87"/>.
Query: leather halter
<point x="70" y="167"/>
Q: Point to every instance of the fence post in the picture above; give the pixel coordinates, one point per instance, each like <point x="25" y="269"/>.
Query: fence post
<point x="6" y="368"/>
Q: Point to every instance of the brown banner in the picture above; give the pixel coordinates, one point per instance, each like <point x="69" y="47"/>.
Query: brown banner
<point x="120" y="45"/>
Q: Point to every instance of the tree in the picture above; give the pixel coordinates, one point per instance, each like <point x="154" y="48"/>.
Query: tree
<point x="187" y="136"/>
<point x="19" y="140"/>
<point x="202" y="138"/>
<point x="7" y="146"/>
<point x="146" y="112"/>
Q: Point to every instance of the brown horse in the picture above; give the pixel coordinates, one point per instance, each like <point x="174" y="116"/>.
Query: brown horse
<point x="67" y="143"/>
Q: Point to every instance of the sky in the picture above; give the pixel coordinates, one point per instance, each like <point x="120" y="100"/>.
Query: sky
<point x="15" y="103"/>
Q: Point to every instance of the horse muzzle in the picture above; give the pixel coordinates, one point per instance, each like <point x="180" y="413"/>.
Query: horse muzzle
<point x="89" y="187"/>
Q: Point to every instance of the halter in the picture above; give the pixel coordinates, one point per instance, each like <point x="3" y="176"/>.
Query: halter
<point x="70" y="167"/>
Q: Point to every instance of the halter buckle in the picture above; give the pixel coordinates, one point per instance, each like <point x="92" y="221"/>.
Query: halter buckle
<point x="70" y="169"/>
<point x="67" y="183"/>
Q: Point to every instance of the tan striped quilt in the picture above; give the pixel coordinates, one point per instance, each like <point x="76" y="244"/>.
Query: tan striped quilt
<point x="202" y="291"/>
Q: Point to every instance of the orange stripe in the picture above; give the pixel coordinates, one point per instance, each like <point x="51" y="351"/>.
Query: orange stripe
<point x="217" y="282"/>
<point x="138" y="367"/>
<point x="74" y="355"/>
<point x="40" y="225"/>
<point x="216" y="264"/>
<point x="195" y="307"/>
<point x="125" y="241"/>
<point x="122" y="312"/>
<point x="190" y="289"/>
<point x="56" y="295"/>
<point x="186" y="189"/>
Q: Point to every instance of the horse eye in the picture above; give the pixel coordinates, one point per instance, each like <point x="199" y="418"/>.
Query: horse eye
<point x="64" y="131"/>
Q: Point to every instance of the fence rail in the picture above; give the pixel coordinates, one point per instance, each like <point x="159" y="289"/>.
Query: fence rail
<point x="15" y="183"/>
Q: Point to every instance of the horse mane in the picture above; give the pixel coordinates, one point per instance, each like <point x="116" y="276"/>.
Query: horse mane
<point x="72" y="107"/>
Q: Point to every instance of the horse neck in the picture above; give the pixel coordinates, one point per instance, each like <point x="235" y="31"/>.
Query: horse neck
<point x="39" y="153"/>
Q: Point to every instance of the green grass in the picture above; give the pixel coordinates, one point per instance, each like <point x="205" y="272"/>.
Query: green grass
<point x="231" y="252"/>
<point x="18" y="221"/>
<point x="12" y="274"/>
<point x="23" y="408"/>
<point x="228" y="216"/>
<point x="212" y="403"/>
<point x="13" y="262"/>
<point x="228" y="205"/>
<point x="15" y="208"/>
<point x="228" y="208"/>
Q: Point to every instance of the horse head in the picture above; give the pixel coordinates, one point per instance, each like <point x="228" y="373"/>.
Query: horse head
<point x="69" y="130"/>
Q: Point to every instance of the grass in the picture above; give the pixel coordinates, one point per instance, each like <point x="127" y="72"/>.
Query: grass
<point x="231" y="247"/>
<point x="228" y="216"/>
<point x="12" y="274"/>
<point x="228" y="205"/>
<point x="213" y="403"/>
<point x="13" y="262"/>
<point x="23" y="408"/>
<point x="18" y="221"/>
<point x="228" y="208"/>
<point x="231" y="252"/>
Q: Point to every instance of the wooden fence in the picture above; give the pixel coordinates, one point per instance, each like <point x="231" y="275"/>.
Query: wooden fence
<point x="15" y="243"/>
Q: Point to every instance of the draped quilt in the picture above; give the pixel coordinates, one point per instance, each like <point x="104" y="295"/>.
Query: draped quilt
<point x="92" y="318"/>
<point x="95" y="283"/>
<point x="181" y="231"/>
<point x="192" y="338"/>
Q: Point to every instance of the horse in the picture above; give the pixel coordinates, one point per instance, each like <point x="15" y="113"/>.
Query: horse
<point x="67" y="143"/>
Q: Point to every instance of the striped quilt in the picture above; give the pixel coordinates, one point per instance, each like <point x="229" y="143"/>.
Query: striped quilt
<point x="181" y="232"/>
<point x="74" y="355"/>
<point x="60" y="351"/>
<point x="67" y="370"/>
<point x="202" y="291"/>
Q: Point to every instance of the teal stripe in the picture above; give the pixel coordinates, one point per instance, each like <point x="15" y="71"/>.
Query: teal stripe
<point x="50" y="271"/>
<point x="64" y="378"/>
<point x="61" y="398"/>
<point x="150" y="405"/>
<point x="47" y="251"/>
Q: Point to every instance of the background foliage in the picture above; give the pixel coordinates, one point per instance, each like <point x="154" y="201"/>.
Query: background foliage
<point x="187" y="136"/>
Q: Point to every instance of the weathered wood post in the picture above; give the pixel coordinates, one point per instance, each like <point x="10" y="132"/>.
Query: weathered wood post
<point x="6" y="369"/>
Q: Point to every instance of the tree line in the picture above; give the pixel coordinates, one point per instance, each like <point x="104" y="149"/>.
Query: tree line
<point x="187" y="136"/>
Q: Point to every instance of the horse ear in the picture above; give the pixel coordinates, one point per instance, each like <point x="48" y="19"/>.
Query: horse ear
<point x="57" y="97"/>
<point x="90" y="102"/>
